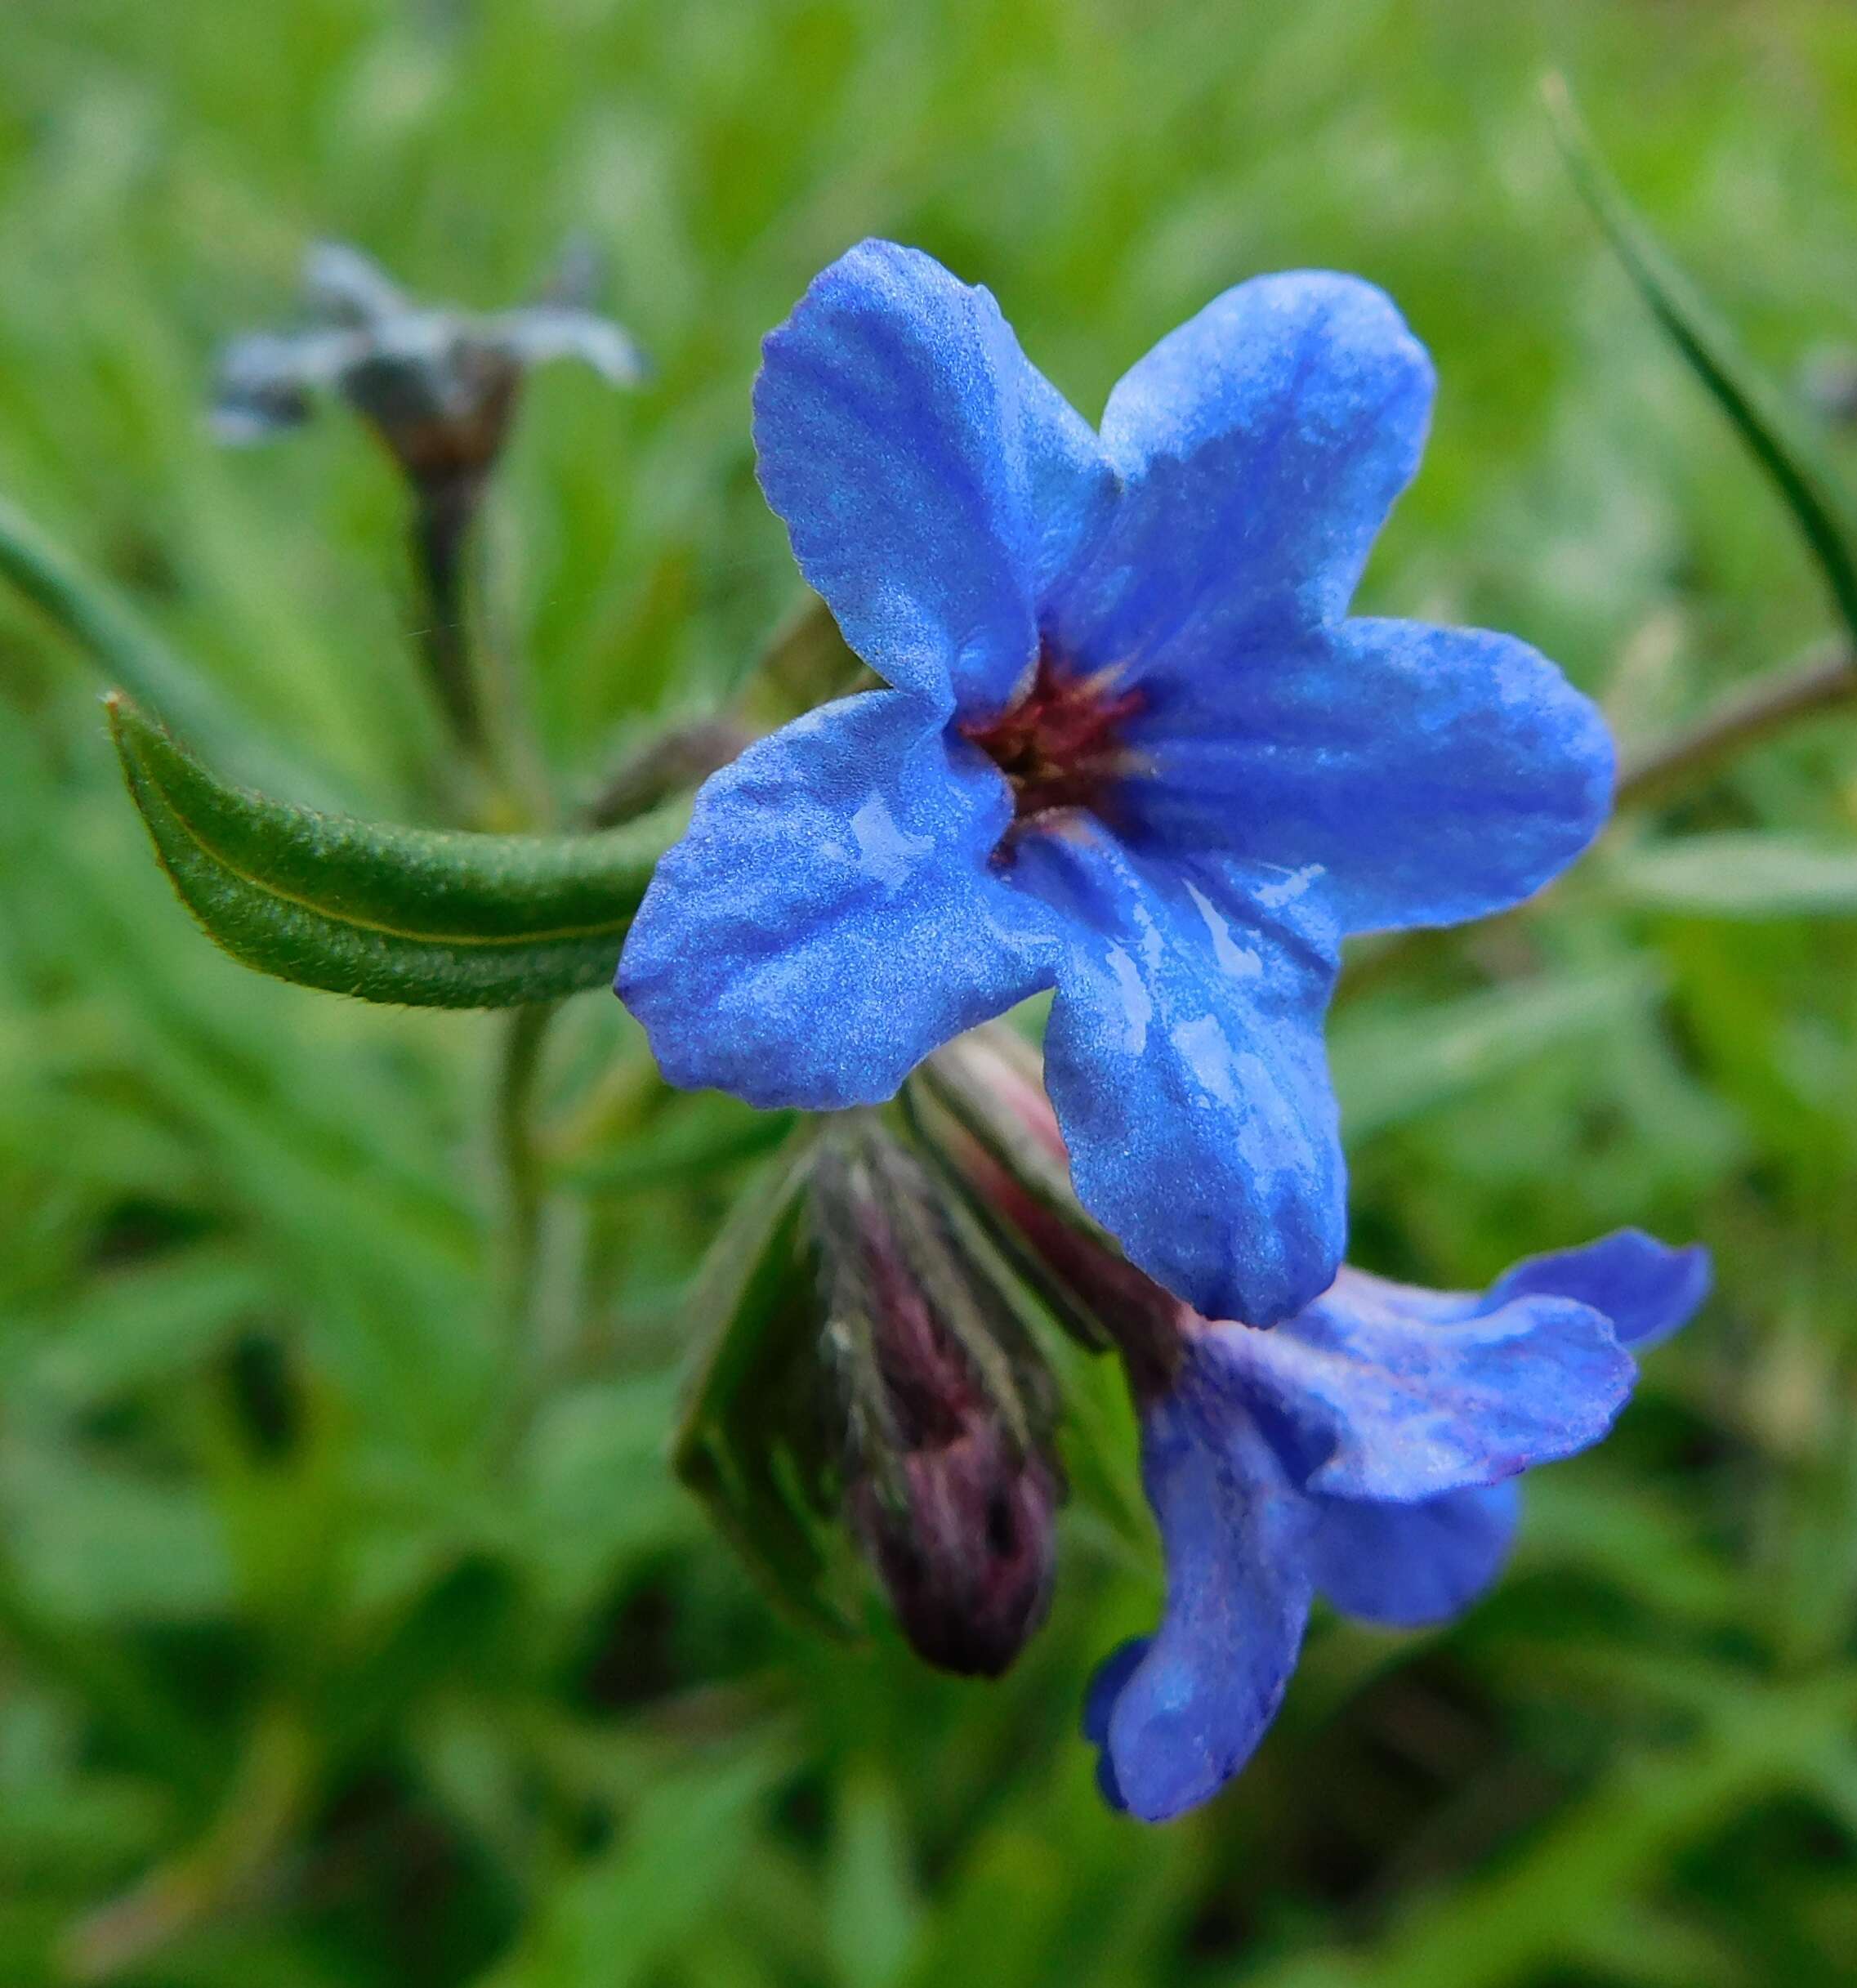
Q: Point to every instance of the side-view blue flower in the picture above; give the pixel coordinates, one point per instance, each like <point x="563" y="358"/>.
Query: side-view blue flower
<point x="1366" y="1451"/>
<point x="1133" y="749"/>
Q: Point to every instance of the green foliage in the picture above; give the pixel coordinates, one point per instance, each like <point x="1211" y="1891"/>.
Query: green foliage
<point x="415" y="915"/>
<point x="127" y="653"/>
<point x="1776" y="434"/>
<point x="750" y="1442"/>
<point x="1737" y="874"/>
<point x="355" y="1632"/>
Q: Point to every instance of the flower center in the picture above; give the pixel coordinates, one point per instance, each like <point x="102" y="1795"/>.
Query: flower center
<point x="1061" y="745"/>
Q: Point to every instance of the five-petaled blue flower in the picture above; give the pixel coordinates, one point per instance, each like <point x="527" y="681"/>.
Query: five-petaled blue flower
<point x="1365" y="1451"/>
<point x="1133" y="749"/>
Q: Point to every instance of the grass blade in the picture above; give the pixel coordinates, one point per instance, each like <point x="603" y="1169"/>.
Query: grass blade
<point x="1774" y="436"/>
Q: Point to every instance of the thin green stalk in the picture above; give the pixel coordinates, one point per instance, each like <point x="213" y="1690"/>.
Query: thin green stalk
<point x="223" y="1873"/>
<point x="1824" y="680"/>
<point x="524" y="1177"/>
<point x="1819" y="682"/>
<point x="469" y="676"/>
<point x="444" y="511"/>
<point x="523" y="1181"/>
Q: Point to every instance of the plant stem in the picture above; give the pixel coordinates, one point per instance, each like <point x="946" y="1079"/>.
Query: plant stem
<point x="1822" y="680"/>
<point x="445" y="508"/>
<point x="221" y="1873"/>
<point x="517" y="1151"/>
<point x="678" y="759"/>
<point x="1819" y="682"/>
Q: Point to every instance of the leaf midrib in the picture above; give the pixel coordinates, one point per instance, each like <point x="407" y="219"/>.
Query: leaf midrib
<point x="609" y="928"/>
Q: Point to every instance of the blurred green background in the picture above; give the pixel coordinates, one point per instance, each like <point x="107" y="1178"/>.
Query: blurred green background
<point x="321" y="1668"/>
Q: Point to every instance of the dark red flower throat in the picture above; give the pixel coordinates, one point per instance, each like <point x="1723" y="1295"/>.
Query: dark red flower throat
<point x="1062" y="744"/>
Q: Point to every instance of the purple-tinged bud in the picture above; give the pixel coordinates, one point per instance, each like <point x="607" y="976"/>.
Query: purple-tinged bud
<point x="968" y="1553"/>
<point x="998" y="1136"/>
<point x="948" y="1487"/>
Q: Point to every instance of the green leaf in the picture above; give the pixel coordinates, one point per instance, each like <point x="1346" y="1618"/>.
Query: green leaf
<point x="130" y="654"/>
<point x="619" y="1916"/>
<point x="1737" y="874"/>
<point x="873" y="1907"/>
<point x="424" y="916"/>
<point x="139" y="1326"/>
<point x="1390" y="1068"/>
<point x="749" y="1443"/>
<point x="1781" y="442"/>
<point x="94" y="1545"/>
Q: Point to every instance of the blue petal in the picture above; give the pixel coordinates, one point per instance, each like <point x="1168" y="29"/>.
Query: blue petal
<point x="1105" y="1686"/>
<point x="1107" y="1785"/>
<point x="1424" y="775"/>
<point x="1184" y="1059"/>
<point x="1261" y="445"/>
<point x="1364" y="1398"/>
<point x="831" y="915"/>
<point x="1406" y="1566"/>
<point x="1182" y="1717"/>
<point x="1648" y="1291"/>
<point x="931" y="479"/>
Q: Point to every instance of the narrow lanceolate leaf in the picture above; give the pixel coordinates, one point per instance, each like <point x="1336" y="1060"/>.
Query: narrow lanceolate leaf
<point x="131" y="654"/>
<point x="1392" y="1067"/>
<point x="753" y="1442"/>
<point x="416" y="916"/>
<point x="1737" y="874"/>
<point x="1779" y="440"/>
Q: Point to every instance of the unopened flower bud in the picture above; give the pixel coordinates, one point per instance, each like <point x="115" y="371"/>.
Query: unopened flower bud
<point x="1000" y="1139"/>
<point x="948" y="1487"/>
<point x="968" y="1553"/>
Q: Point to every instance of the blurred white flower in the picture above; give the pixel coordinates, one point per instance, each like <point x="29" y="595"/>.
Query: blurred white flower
<point x="436" y="383"/>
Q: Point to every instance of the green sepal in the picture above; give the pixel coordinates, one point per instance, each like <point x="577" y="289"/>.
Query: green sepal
<point x="1761" y="413"/>
<point x="753" y="1443"/>
<point x="423" y="917"/>
<point x="961" y="1279"/>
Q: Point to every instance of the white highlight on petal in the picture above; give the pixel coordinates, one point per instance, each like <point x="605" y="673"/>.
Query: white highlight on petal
<point x="1205" y="1051"/>
<point x="1137" y="1003"/>
<point x="885" y="852"/>
<point x="1274" y="896"/>
<point x="1272" y="1147"/>
<point x="1239" y="962"/>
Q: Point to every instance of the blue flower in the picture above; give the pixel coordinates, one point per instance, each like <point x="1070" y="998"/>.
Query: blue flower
<point x="1365" y="1451"/>
<point x="1132" y="749"/>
